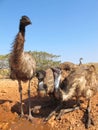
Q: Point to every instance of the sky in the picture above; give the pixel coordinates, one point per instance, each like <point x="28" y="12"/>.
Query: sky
<point x="68" y="28"/>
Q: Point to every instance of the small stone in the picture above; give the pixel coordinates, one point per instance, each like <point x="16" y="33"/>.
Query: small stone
<point x="6" y="106"/>
<point x="3" y="91"/>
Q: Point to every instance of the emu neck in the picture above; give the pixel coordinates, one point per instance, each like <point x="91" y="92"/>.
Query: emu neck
<point x="18" y="46"/>
<point x="57" y="82"/>
<point x="22" y="29"/>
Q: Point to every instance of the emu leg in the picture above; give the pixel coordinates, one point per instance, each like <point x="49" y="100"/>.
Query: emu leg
<point x="54" y="112"/>
<point x="89" y="121"/>
<point x="63" y="111"/>
<point x="20" y="91"/>
<point x="30" y="115"/>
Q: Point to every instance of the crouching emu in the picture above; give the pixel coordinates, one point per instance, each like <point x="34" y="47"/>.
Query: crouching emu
<point x="22" y="65"/>
<point x="81" y="82"/>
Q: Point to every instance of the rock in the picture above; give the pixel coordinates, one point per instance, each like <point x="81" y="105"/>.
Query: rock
<point x="4" y="126"/>
<point x="3" y="91"/>
<point x="6" y="106"/>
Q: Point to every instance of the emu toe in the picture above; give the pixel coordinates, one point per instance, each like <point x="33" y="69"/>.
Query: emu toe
<point x="30" y="118"/>
<point x="89" y="122"/>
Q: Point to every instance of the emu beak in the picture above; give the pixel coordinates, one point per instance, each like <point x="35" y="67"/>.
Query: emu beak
<point x="30" y="22"/>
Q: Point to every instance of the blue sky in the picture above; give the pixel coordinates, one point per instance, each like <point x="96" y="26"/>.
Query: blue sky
<point x="68" y="28"/>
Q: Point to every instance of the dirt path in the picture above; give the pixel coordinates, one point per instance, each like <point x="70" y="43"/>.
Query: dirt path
<point x="10" y="109"/>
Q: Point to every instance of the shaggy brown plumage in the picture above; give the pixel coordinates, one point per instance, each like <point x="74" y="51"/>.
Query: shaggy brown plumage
<point x="22" y="64"/>
<point x="81" y="82"/>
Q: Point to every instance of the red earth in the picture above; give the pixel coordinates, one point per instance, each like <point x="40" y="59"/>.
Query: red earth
<point x="10" y="110"/>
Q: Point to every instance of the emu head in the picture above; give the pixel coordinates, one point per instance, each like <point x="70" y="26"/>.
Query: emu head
<point x="40" y="75"/>
<point x="25" y="20"/>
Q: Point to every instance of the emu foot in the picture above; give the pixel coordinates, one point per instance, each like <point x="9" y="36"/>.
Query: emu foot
<point x="23" y="116"/>
<point x="89" y="121"/>
<point x="50" y="115"/>
<point x="63" y="111"/>
<point x="27" y="117"/>
<point x="30" y="118"/>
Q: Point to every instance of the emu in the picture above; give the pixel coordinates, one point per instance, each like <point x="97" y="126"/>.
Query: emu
<point x="80" y="61"/>
<point x="82" y="82"/>
<point x="22" y="64"/>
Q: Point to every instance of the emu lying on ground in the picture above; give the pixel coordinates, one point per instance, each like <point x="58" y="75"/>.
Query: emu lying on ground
<point x="22" y="65"/>
<point x="80" y="82"/>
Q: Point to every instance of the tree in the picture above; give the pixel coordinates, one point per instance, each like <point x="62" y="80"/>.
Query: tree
<point x="45" y="60"/>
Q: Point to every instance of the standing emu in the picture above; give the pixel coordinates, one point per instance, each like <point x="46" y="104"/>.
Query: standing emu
<point x="80" y="61"/>
<point x="22" y="65"/>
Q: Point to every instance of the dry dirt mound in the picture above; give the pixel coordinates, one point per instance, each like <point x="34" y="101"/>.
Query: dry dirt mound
<point x="9" y="110"/>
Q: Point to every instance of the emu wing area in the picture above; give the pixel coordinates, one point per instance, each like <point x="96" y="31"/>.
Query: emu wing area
<point x="81" y="82"/>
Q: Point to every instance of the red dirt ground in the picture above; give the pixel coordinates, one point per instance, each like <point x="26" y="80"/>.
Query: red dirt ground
<point x="10" y="109"/>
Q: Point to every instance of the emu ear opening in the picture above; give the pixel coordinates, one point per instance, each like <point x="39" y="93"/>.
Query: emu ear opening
<point x="92" y="68"/>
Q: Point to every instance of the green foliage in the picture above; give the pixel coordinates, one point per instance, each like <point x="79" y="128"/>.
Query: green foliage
<point x="4" y="73"/>
<point x="45" y="60"/>
<point x="3" y="57"/>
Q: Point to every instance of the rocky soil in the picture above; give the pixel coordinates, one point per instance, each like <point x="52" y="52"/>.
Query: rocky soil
<point x="10" y="110"/>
